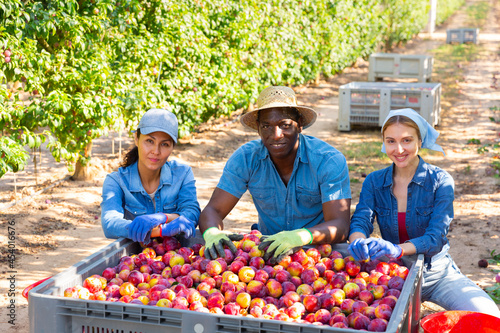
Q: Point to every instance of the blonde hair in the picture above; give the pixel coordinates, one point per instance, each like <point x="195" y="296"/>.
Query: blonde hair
<point x="403" y="120"/>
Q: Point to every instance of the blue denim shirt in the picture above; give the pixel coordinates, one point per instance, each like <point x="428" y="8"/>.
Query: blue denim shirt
<point x="429" y="209"/>
<point x="124" y="197"/>
<point x="320" y="174"/>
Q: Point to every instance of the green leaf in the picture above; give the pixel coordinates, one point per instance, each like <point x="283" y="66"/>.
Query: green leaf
<point x="31" y="141"/>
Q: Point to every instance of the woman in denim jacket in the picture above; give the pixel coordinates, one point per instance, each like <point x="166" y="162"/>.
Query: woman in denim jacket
<point x="150" y="196"/>
<point x="413" y="203"/>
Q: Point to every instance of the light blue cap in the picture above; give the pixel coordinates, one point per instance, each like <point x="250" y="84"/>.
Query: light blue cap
<point x="428" y="134"/>
<point x="159" y="120"/>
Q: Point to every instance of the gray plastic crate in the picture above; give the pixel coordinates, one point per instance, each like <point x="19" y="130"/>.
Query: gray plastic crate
<point x="462" y="35"/>
<point x="51" y="313"/>
<point x="399" y="66"/>
<point x="369" y="103"/>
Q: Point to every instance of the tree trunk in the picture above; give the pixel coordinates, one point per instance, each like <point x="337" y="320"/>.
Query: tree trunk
<point x="82" y="172"/>
<point x="317" y="79"/>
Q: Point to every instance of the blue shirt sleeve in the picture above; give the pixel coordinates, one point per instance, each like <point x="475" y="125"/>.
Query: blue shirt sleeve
<point x="335" y="183"/>
<point x="434" y="238"/>
<point x="112" y="213"/>
<point x="235" y="175"/>
<point x="187" y="201"/>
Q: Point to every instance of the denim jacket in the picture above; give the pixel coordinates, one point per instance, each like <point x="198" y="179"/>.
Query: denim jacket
<point x="124" y="197"/>
<point x="429" y="209"/>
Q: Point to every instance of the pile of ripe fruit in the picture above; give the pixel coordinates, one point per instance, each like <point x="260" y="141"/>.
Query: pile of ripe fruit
<point x="314" y="285"/>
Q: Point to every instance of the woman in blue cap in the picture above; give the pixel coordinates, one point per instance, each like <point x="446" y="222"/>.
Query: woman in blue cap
<point x="150" y="196"/>
<point x="413" y="204"/>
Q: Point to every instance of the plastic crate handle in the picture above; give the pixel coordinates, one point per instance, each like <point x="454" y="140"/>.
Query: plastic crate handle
<point x="26" y="290"/>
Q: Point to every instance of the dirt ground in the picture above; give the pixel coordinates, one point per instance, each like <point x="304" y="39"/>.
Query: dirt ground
<point x="57" y="221"/>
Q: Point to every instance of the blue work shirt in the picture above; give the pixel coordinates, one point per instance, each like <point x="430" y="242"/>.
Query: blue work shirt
<point x="429" y="209"/>
<point x="320" y="174"/>
<point x="124" y="197"/>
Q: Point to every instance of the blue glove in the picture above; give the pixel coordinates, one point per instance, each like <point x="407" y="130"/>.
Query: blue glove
<point x="180" y="224"/>
<point x="359" y="249"/>
<point x="141" y="226"/>
<point x="379" y="247"/>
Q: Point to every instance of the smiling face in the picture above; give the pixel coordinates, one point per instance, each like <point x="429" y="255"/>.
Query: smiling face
<point x="279" y="130"/>
<point x="402" y="145"/>
<point x="154" y="150"/>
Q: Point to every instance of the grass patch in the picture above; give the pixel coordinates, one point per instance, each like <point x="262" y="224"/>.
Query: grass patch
<point x="370" y="150"/>
<point x="362" y="150"/>
<point x="451" y="59"/>
<point x="477" y="14"/>
<point x="458" y="54"/>
<point x="494" y="168"/>
<point x="449" y="63"/>
<point x="364" y="157"/>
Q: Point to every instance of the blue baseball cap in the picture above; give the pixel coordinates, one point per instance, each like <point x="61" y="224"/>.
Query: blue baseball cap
<point x="159" y="120"/>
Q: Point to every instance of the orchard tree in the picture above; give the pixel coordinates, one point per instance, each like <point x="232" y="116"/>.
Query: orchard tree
<point x="402" y="20"/>
<point x="88" y="66"/>
<point x="65" y="53"/>
<point x="12" y="156"/>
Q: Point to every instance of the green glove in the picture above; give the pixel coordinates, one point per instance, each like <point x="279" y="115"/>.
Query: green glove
<point x="284" y="243"/>
<point x="215" y="239"/>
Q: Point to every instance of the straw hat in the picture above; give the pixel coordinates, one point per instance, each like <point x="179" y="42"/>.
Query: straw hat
<point x="278" y="97"/>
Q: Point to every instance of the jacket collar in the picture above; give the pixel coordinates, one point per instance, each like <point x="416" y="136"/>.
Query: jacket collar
<point x="421" y="173"/>
<point x="135" y="180"/>
<point x="418" y="178"/>
<point x="301" y="152"/>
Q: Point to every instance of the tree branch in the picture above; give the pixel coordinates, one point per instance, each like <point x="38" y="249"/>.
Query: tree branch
<point x="45" y="45"/>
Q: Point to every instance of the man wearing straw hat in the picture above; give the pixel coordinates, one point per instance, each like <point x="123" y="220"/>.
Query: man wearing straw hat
<point x="299" y="184"/>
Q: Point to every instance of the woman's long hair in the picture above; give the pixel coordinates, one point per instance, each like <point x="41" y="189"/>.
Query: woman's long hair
<point x="133" y="155"/>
